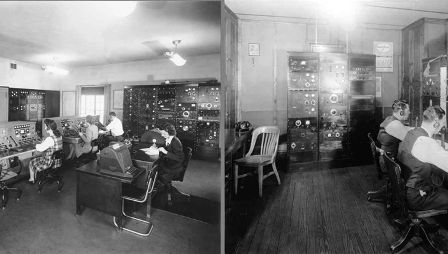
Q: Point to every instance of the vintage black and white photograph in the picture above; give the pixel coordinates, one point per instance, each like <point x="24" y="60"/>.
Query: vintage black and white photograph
<point x="224" y="126"/>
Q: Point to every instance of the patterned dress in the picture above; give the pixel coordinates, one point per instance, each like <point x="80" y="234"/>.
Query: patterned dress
<point x="45" y="161"/>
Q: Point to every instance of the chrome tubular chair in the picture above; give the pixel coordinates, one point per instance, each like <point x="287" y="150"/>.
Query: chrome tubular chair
<point x="135" y="194"/>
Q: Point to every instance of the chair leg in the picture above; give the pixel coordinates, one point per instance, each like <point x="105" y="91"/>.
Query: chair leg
<point x="3" y="198"/>
<point x="235" y="178"/>
<point x="5" y="191"/>
<point x="59" y="182"/>
<point x="379" y="195"/>
<point x="425" y="237"/>
<point x="260" y="180"/>
<point x="404" y="239"/>
<point x="168" y="193"/>
<point x="274" y="167"/>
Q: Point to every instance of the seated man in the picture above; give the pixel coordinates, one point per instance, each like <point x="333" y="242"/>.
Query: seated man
<point x="116" y="129"/>
<point x="425" y="159"/>
<point x="172" y="155"/>
<point x="51" y="144"/>
<point x="90" y="134"/>
<point x="392" y="129"/>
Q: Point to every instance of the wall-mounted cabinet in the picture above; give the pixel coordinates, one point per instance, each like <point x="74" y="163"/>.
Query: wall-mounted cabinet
<point x="425" y="38"/>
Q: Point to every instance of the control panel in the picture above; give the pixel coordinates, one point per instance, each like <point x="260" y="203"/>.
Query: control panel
<point x="333" y="106"/>
<point x="208" y="134"/>
<point x="187" y="93"/>
<point x="302" y="103"/>
<point x="166" y="99"/>
<point x="186" y="128"/>
<point x="187" y="110"/>
<point x="303" y="107"/>
<point x="209" y="97"/>
<point x="185" y="105"/>
<point x="18" y="135"/>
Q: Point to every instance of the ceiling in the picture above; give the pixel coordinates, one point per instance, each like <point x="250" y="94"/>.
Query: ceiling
<point x="83" y="33"/>
<point x="395" y="14"/>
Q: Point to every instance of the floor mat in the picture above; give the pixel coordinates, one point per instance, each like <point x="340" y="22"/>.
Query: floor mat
<point x="195" y="207"/>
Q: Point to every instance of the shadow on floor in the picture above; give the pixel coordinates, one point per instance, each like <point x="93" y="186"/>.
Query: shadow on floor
<point x="246" y="206"/>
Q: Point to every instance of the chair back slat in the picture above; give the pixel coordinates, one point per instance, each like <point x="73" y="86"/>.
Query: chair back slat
<point x="376" y="153"/>
<point x="397" y="184"/>
<point x="269" y="141"/>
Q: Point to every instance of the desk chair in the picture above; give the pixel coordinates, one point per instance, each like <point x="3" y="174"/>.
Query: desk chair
<point x="383" y="193"/>
<point x="269" y="145"/>
<point x="179" y="177"/>
<point x="414" y="224"/>
<point x="135" y="194"/>
<point x="90" y="156"/>
<point x="49" y="175"/>
<point x="8" y="176"/>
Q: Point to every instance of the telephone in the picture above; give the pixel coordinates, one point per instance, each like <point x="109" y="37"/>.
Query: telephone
<point x="242" y="126"/>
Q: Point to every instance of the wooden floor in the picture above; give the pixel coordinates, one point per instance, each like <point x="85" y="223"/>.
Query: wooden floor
<point x="326" y="211"/>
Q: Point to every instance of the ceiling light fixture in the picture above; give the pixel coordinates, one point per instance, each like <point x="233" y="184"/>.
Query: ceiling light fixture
<point x="174" y="57"/>
<point x="122" y="9"/>
<point x="54" y="69"/>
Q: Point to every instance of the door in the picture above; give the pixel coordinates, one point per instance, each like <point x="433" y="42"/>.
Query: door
<point x="3" y="104"/>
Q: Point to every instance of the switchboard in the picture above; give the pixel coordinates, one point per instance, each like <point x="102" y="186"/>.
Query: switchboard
<point x="30" y="105"/>
<point x="303" y="100"/>
<point x="18" y="135"/>
<point x="331" y="105"/>
<point x="193" y="108"/>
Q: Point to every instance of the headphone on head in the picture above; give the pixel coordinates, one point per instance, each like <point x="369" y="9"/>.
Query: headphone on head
<point x="399" y="105"/>
<point x="434" y="112"/>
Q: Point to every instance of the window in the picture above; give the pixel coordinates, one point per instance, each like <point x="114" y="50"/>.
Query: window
<point x="92" y="101"/>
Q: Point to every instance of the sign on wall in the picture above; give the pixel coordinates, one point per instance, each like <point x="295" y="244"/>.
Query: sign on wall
<point x="384" y="52"/>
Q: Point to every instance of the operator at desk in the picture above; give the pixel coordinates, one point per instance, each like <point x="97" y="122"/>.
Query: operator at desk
<point x="90" y="133"/>
<point x="51" y="144"/>
<point x="172" y="154"/>
<point x="116" y="129"/>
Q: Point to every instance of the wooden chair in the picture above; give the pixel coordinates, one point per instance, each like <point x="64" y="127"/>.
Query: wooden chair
<point x="383" y="193"/>
<point x="49" y="175"/>
<point x="138" y="195"/>
<point x="268" y="151"/>
<point x="7" y="177"/>
<point x="415" y="225"/>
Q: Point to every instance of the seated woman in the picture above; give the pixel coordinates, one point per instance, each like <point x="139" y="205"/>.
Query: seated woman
<point x="51" y="144"/>
<point x="172" y="155"/>
<point x="87" y="137"/>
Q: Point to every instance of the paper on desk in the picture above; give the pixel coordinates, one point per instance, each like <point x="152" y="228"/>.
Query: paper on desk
<point x="150" y="150"/>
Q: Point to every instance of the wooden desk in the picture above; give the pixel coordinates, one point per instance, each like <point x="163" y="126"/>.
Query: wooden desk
<point x="103" y="192"/>
<point x="235" y="145"/>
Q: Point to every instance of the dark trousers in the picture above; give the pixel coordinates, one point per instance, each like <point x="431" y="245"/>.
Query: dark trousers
<point x="437" y="198"/>
<point x="164" y="176"/>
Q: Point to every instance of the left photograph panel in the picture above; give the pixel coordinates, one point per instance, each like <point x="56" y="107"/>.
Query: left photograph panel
<point x="110" y="128"/>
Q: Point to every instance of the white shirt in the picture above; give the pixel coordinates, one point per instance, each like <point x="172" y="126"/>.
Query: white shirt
<point x="428" y="150"/>
<point x="47" y="143"/>
<point x="168" y="140"/>
<point x="115" y="127"/>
